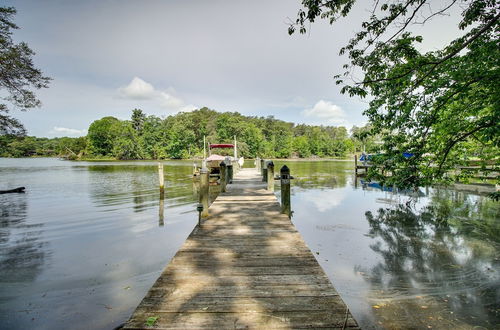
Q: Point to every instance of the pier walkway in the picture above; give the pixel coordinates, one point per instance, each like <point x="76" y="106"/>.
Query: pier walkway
<point x="246" y="267"/>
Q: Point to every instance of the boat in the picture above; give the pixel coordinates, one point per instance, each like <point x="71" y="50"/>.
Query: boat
<point x="213" y="161"/>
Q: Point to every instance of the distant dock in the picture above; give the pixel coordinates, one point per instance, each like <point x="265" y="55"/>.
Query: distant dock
<point x="245" y="267"/>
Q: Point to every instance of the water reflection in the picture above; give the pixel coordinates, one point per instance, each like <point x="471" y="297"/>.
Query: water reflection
<point x="440" y="263"/>
<point x="317" y="174"/>
<point x="90" y="238"/>
<point x="161" y="211"/>
<point x="23" y="252"/>
<point x="112" y="186"/>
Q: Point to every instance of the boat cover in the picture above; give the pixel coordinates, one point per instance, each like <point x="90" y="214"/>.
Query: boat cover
<point x="215" y="157"/>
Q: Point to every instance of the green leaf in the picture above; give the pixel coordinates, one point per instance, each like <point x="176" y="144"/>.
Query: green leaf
<point x="151" y="320"/>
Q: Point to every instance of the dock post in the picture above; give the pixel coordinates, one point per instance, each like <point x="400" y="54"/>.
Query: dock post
<point x="264" y="171"/>
<point x="257" y="164"/>
<point x="223" y="176"/>
<point x="270" y="176"/>
<point x="230" y="173"/>
<point x="355" y="165"/>
<point x="285" y="190"/>
<point x="204" y="191"/>
<point x="162" y="180"/>
<point x="229" y="169"/>
<point x="262" y="166"/>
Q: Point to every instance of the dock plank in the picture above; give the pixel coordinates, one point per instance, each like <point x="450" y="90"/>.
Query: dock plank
<point x="245" y="267"/>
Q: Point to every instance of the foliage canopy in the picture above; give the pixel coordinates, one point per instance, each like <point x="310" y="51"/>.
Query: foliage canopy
<point x="18" y="75"/>
<point x="181" y="136"/>
<point x="442" y="105"/>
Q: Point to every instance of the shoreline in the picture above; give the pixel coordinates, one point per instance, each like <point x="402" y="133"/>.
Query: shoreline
<point x="185" y="159"/>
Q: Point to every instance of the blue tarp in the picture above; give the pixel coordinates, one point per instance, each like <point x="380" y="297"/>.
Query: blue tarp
<point x="407" y="154"/>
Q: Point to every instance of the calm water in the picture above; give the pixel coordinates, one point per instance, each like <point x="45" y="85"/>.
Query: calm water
<point x="81" y="248"/>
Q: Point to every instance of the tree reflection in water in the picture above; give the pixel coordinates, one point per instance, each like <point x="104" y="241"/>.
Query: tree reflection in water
<point x="22" y="253"/>
<point x="441" y="263"/>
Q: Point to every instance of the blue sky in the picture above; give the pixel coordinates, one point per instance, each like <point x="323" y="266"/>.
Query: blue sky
<point x="109" y="57"/>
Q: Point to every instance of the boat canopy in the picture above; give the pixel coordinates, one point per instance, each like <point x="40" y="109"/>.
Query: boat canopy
<point x="212" y="146"/>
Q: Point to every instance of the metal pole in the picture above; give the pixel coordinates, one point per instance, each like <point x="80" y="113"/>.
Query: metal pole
<point x="204" y="147"/>
<point x="235" y="150"/>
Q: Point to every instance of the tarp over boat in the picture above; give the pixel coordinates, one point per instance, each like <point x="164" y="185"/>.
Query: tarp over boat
<point x="215" y="157"/>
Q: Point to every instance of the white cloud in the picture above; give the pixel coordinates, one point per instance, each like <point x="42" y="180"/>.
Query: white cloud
<point x="325" y="200"/>
<point x="138" y="89"/>
<point x="63" y="131"/>
<point x="328" y="111"/>
<point x="188" y="108"/>
<point x="170" y="101"/>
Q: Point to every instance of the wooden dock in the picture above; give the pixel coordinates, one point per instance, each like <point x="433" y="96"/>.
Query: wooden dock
<point x="246" y="267"/>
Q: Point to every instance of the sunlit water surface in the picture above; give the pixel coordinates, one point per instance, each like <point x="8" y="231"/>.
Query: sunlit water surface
<point x="87" y="240"/>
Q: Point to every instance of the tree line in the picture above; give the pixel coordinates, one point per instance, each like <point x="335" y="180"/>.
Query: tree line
<point x="180" y="136"/>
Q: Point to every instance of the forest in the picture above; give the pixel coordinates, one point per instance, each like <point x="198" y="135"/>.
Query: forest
<point x="180" y="136"/>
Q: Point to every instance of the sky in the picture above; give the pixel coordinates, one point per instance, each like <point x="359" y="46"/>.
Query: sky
<point x="109" y="57"/>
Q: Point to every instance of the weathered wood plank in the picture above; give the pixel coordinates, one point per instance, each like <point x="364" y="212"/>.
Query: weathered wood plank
<point x="247" y="320"/>
<point x="188" y="291"/>
<point x="224" y="304"/>
<point x="223" y="280"/>
<point x="291" y="269"/>
<point x="245" y="267"/>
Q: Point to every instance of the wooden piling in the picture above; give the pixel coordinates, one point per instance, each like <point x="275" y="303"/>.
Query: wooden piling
<point x="264" y="171"/>
<point x="204" y="191"/>
<point x="223" y="176"/>
<point x="229" y="173"/>
<point x="262" y="166"/>
<point x="355" y="165"/>
<point x="285" y="191"/>
<point x="270" y="176"/>
<point x="257" y="164"/>
<point x="162" y="180"/>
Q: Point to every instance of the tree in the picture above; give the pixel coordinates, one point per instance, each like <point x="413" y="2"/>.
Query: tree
<point x="125" y="142"/>
<point x="18" y="75"/>
<point x="252" y="136"/>
<point x="301" y="146"/>
<point x="151" y="137"/>
<point x="428" y="103"/>
<point x="138" y="119"/>
<point x="102" y="134"/>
